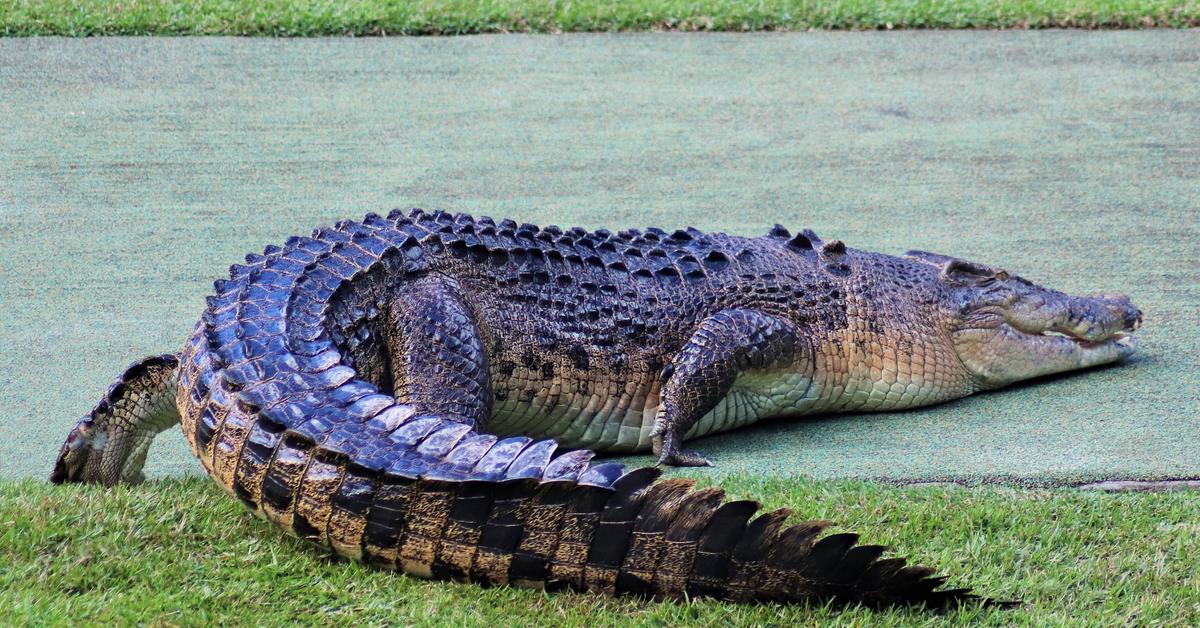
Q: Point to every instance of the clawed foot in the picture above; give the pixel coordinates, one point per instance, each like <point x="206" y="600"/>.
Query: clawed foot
<point x="669" y="453"/>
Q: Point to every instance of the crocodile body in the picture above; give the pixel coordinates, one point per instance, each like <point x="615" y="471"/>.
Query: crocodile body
<point x="380" y="389"/>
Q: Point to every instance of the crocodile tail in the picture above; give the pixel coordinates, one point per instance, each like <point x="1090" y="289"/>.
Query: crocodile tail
<point x="278" y="416"/>
<point x="109" y="444"/>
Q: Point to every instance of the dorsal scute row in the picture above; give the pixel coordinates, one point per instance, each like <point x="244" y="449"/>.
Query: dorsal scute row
<point x="651" y="254"/>
<point x="830" y="255"/>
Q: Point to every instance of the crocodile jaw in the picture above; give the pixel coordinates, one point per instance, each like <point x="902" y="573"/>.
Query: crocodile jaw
<point x="1054" y="335"/>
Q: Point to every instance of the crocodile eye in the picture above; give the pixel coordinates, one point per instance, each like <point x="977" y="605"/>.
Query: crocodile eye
<point x="967" y="273"/>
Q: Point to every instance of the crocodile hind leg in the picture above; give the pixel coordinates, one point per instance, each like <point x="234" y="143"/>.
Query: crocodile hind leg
<point x="109" y="444"/>
<point x="439" y="370"/>
<point x="438" y="363"/>
<point x="702" y="373"/>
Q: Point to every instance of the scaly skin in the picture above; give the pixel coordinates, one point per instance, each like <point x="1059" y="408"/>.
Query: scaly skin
<point x="375" y="389"/>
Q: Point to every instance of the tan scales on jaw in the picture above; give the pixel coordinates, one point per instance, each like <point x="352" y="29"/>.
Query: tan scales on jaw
<point x="340" y="387"/>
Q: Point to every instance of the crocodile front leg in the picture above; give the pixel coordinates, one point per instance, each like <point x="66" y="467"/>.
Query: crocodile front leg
<point x="723" y="346"/>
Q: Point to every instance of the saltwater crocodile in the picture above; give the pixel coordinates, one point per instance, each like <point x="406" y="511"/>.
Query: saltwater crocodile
<point x="378" y="389"/>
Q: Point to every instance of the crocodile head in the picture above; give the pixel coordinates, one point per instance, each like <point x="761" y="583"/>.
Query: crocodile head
<point x="1005" y="328"/>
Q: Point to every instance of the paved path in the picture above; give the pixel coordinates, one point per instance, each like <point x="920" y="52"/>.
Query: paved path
<point x="133" y="171"/>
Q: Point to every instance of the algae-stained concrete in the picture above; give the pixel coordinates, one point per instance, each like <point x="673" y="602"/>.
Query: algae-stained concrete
<point x="134" y="171"/>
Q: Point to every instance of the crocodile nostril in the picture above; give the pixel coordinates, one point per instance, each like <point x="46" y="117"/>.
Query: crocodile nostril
<point x="1133" y="319"/>
<point x="1121" y="307"/>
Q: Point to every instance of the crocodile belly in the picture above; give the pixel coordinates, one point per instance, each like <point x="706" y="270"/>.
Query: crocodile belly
<point x="619" y="418"/>
<point x="614" y="417"/>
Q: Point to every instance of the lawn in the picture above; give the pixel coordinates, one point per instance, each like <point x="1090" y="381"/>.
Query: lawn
<point x="180" y="551"/>
<point x="450" y="17"/>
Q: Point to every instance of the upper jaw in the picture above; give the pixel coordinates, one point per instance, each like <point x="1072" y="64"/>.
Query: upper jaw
<point x="1085" y="320"/>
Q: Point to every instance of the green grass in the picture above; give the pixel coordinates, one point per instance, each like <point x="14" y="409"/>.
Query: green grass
<point x="180" y="551"/>
<point x="430" y="17"/>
